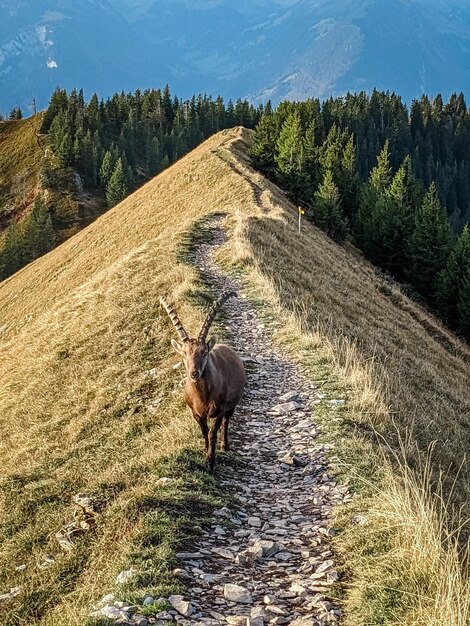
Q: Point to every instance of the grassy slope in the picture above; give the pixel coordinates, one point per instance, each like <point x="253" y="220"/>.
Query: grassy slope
<point x="20" y="158"/>
<point x="80" y="330"/>
<point x="406" y="380"/>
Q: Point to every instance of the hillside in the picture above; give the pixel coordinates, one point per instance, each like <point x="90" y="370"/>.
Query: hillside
<point x="258" y="49"/>
<point x="20" y="159"/>
<point x="90" y="402"/>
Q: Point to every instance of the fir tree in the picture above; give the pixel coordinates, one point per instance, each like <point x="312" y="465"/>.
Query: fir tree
<point x="262" y="150"/>
<point x="327" y="212"/>
<point x="464" y="307"/>
<point x="291" y="158"/>
<point x="38" y="232"/>
<point x="16" y="114"/>
<point x="107" y="167"/>
<point x="64" y="151"/>
<point x="11" y="256"/>
<point x="116" y="189"/>
<point x="372" y="205"/>
<point x="451" y="279"/>
<point x="430" y="244"/>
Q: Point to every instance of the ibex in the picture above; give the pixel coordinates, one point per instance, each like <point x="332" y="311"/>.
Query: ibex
<point x="215" y="378"/>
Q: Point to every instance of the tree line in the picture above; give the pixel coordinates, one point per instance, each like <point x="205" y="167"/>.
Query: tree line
<point x="109" y="147"/>
<point x="394" y="181"/>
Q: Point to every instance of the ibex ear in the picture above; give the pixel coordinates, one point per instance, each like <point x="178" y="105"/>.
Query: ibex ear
<point x="211" y="343"/>
<point x="178" y="347"/>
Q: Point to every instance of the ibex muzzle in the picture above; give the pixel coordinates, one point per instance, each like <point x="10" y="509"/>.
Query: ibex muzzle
<point x="215" y="378"/>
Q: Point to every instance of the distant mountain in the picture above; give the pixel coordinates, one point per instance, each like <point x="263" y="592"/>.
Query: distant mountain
<point x="258" y="48"/>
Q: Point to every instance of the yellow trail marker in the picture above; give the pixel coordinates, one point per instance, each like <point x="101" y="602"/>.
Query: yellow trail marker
<point x="301" y="212"/>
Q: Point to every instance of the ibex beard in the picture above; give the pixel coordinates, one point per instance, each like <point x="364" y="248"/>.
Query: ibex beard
<point x="215" y="378"/>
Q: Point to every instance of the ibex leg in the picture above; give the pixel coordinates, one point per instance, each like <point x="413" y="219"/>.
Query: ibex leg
<point x="225" y="445"/>
<point x="202" y="421"/>
<point x="214" y="427"/>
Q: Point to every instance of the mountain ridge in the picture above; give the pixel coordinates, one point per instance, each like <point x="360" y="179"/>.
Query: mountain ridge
<point x="91" y="401"/>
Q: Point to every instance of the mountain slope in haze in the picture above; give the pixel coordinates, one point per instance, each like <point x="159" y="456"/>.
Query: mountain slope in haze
<point x="90" y="401"/>
<point x="84" y="43"/>
<point x="259" y="49"/>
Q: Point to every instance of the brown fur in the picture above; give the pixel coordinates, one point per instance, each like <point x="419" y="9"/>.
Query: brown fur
<point x="214" y="396"/>
<point x="215" y="381"/>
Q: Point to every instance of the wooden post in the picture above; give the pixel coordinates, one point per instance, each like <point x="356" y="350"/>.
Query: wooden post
<point x="301" y="212"/>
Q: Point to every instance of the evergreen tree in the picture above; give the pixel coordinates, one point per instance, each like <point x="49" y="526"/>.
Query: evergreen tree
<point x="430" y="244"/>
<point x="327" y="212"/>
<point x="117" y="189"/>
<point x="464" y="307"/>
<point x="107" y="167"/>
<point x="262" y="150"/>
<point x="64" y="151"/>
<point x="11" y="256"/>
<point x="451" y="279"/>
<point x="394" y="221"/>
<point x="373" y="205"/>
<point x="291" y="158"/>
<point x="38" y="232"/>
<point x="16" y="114"/>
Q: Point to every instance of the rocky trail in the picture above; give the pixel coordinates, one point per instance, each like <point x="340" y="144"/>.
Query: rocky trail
<point x="272" y="563"/>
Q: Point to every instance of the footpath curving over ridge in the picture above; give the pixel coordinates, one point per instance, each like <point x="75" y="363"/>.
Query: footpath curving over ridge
<point x="274" y="563"/>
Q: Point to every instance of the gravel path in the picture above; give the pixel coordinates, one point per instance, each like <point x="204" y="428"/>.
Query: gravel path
<point x="272" y="563"/>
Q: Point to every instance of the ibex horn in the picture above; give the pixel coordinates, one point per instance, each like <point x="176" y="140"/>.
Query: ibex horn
<point x="212" y="313"/>
<point x="175" y="319"/>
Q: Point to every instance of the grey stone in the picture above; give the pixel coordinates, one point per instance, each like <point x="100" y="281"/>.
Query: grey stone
<point x="126" y="576"/>
<point x="236" y="593"/>
<point x="188" y="556"/>
<point x="181" y="605"/>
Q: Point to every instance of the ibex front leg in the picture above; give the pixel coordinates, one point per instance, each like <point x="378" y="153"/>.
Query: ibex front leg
<point x="214" y="426"/>
<point x="202" y="421"/>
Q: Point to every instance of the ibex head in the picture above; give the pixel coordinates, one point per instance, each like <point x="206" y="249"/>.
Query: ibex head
<point x="195" y="352"/>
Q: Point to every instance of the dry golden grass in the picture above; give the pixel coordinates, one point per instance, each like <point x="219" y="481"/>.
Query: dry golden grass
<point x="406" y="379"/>
<point x="80" y="329"/>
<point x="20" y="157"/>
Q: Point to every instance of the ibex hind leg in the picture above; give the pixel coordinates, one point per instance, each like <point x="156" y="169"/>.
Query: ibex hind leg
<point x="224" y="445"/>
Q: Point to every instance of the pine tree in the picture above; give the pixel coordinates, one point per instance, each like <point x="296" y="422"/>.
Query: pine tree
<point x="38" y="233"/>
<point x="372" y="205"/>
<point x="327" y="212"/>
<point x="291" y="158"/>
<point x="430" y="244"/>
<point x="394" y="221"/>
<point x="16" y="114"/>
<point x="464" y="307"/>
<point x="451" y="279"/>
<point x="380" y="176"/>
<point x="262" y="151"/>
<point x="11" y="256"/>
<point x="64" y="152"/>
<point x="107" y="167"/>
<point x="349" y="182"/>
<point x="116" y="189"/>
